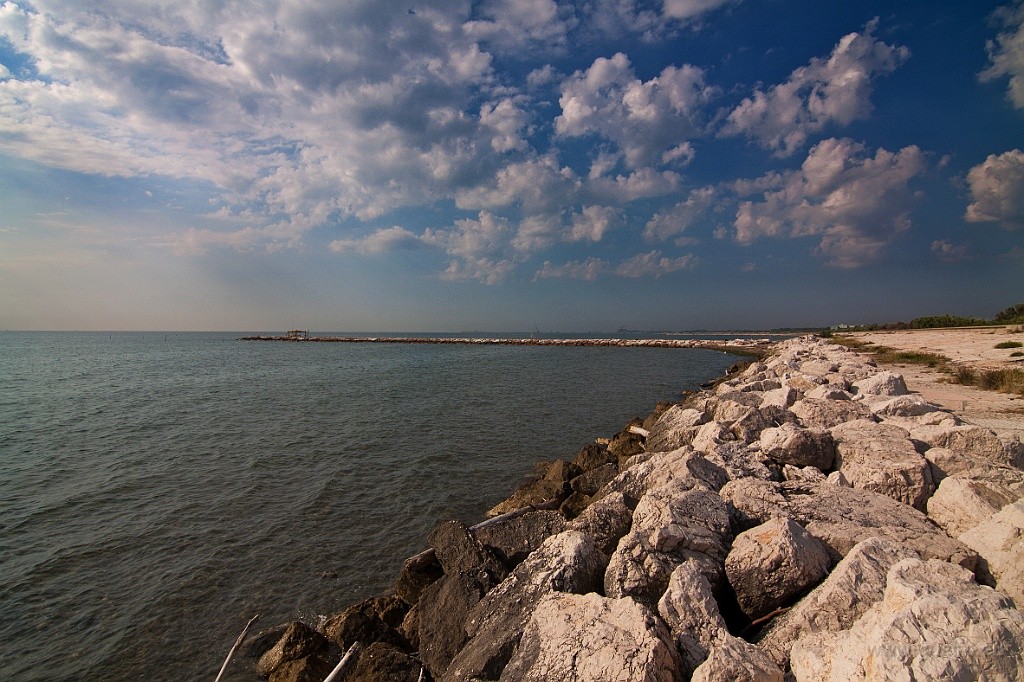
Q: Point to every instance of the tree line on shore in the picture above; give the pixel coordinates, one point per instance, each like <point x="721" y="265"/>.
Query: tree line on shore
<point x="1012" y="315"/>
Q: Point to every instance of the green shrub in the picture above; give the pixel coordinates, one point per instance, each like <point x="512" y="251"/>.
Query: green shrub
<point x="935" y="321"/>
<point x="1010" y="344"/>
<point x="1012" y="315"/>
<point x="1017" y="354"/>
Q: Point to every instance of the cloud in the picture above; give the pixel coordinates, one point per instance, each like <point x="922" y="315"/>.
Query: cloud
<point x="645" y="119"/>
<point x="298" y="112"/>
<point x="593" y="222"/>
<point x="997" y="188"/>
<point x="587" y="270"/>
<point x="1006" y="53"/>
<point x="381" y="241"/>
<point x="946" y="251"/>
<point x="511" y="26"/>
<point x="667" y="224"/>
<point x="653" y="264"/>
<point x="836" y="90"/>
<point x="615" y="17"/>
<point x="853" y="202"/>
<point x="537" y="184"/>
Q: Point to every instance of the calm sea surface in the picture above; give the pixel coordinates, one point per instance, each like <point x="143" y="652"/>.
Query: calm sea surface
<point x="158" y="490"/>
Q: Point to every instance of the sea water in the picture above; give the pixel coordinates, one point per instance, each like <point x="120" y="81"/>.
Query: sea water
<point x="158" y="490"/>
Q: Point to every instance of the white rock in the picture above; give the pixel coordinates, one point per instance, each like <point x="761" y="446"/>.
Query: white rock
<point x="968" y="439"/>
<point x="882" y="383"/>
<point x="791" y="444"/>
<point x="854" y="585"/>
<point x="589" y="637"/>
<point x="881" y="458"/>
<point x="934" y="623"/>
<point x="959" y="504"/>
<point x="772" y="563"/>
<point x="999" y="541"/>
<point x="689" y="609"/>
<point x="734" y="660"/>
<point x="671" y="524"/>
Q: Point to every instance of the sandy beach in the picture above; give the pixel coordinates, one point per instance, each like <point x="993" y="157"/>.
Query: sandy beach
<point x="970" y="347"/>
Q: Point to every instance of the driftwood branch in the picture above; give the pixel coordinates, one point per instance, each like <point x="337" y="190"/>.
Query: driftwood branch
<point x="356" y="646"/>
<point x="639" y="431"/>
<point x="234" y="649"/>
<point x="767" y="617"/>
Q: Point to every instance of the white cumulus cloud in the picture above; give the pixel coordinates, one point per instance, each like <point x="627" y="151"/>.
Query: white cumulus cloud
<point x="1006" y="53"/>
<point x="826" y="91"/>
<point x="854" y="203"/>
<point x="997" y="188"/>
<point x="645" y="119"/>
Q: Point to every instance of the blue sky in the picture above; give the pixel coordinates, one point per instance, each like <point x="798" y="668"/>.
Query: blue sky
<point x="508" y="164"/>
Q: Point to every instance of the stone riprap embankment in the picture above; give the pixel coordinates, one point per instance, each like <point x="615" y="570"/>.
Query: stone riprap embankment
<point x="738" y="345"/>
<point x="809" y="516"/>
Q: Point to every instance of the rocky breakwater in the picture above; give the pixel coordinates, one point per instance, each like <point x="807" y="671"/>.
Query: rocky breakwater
<point x="808" y="518"/>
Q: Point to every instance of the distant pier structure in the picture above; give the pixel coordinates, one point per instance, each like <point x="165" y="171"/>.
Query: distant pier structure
<point x="297" y="334"/>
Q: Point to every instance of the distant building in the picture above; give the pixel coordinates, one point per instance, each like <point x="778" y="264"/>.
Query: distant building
<point x="297" y="334"/>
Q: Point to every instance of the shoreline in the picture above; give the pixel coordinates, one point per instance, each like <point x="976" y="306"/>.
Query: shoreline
<point x="674" y="529"/>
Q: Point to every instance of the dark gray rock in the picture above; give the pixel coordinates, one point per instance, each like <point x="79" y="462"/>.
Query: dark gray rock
<point x="513" y="540"/>
<point x="607" y="520"/>
<point x="590" y="482"/>
<point x="372" y="620"/>
<point x="568" y="562"/>
<point x="553" y="485"/>
<point x="592" y="456"/>
<point x="298" y="642"/>
<point x="381" y="662"/>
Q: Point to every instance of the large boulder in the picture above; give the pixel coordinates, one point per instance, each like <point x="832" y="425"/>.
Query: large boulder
<point x="674" y="429"/>
<point x="470" y="571"/>
<point x="372" y="620"/>
<point x="671" y="524"/>
<point x="689" y="609"/>
<point x="934" y="623"/>
<point x="589" y="637"/>
<point x="553" y="485"/>
<point x="512" y="540"/>
<point x="883" y="383"/>
<point x="1003" y="477"/>
<point x="299" y="653"/>
<point x="881" y="458"/>
<point x="974" y="441"/>
<point x="770" y="564"/>
<point x="606" y="521"/>
<point x="854" y="585"/>
<point x="959" y="504"/>
<point x="735" y="660"/>
<point x="379" y="662"/>
<point x="818" y="413"/>
<point x="568" y="562"/>
<point x="841" y="517"/>
<point x="791" y="444"/>
<point x="999" y="541"/>
<point x="684" y="465"/>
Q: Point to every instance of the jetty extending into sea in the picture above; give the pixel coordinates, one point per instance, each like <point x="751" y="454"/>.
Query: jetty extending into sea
<point x="739" y="346"/>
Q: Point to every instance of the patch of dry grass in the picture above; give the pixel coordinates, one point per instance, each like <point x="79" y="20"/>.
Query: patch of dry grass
<point x="1001" y="380"/>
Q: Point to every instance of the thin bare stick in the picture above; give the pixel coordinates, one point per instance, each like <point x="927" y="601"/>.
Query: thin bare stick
<point x="767" y="617"/>
<point x="234" y="649"/>
<point x="356" y="646"/>
<point x="420" y="678"/>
